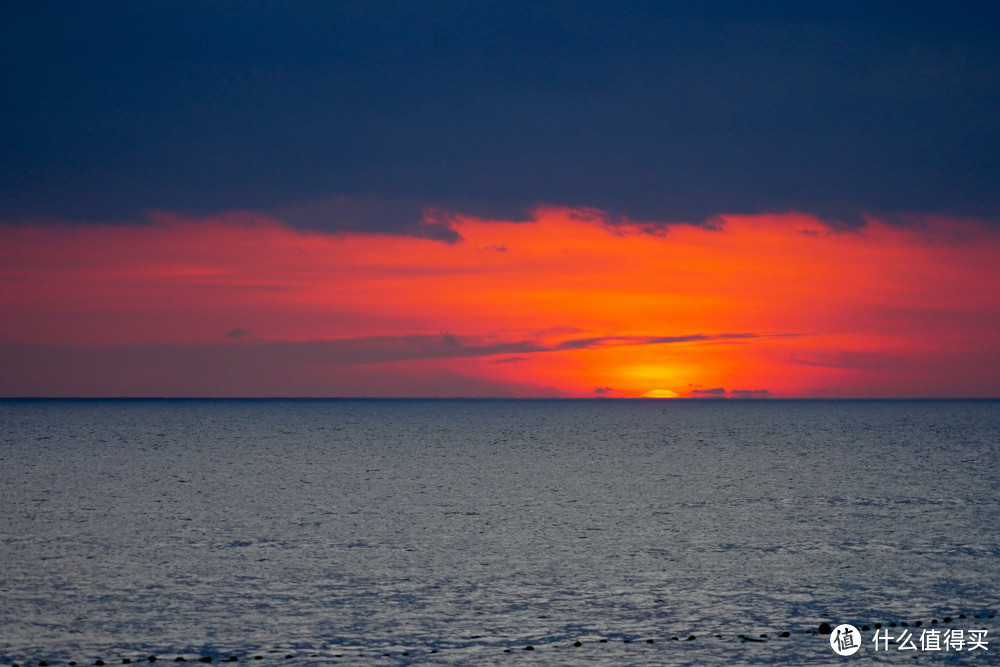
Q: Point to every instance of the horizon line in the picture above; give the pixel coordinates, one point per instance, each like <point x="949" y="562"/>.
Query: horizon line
<point x="683" y="399"/>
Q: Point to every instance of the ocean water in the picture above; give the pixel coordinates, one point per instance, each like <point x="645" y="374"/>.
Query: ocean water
<point x="450" y="532"/>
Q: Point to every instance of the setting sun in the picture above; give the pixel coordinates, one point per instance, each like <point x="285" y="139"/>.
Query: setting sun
<point x="661" y="393"/>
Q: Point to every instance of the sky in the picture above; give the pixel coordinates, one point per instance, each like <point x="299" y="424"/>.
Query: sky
<point x="587" y="199"/>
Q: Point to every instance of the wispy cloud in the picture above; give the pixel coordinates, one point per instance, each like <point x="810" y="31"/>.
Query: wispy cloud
<point x="846" y="359"/>
<point x="378" y="349"/>
<point x="612" y="341"/>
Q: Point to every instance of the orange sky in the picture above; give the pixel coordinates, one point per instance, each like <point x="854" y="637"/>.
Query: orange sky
<point x="242" y="305"/>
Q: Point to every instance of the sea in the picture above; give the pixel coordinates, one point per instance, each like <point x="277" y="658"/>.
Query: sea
<point x="499" y="532"/>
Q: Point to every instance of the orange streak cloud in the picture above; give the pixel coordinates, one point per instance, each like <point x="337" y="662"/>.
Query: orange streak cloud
<point x="566" y="304"/>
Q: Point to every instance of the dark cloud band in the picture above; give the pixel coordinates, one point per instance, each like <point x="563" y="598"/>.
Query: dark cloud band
<point x="663" y="112"/>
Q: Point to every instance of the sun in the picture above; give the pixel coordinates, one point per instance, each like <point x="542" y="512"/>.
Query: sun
<point x="661" y="393"/>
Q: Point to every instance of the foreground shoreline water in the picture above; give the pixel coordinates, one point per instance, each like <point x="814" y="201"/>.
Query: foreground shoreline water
<point x="984" y="621"/>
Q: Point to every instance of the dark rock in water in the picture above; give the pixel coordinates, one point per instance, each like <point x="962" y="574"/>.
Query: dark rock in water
<point x="98" y="662"/>
<point x="918" y="623"/>
<point x="878" y="625"/>
<point x="825" y="629"/>
<point x="947" y="619"/>
<point x="233" y="658"/>
<point x="961" y="615"/>
<point x="42" y="663"/>
<point x="649" y="641"/>
<point x="529" y="647"/>
<point x="749" y="639"/>
<point x="577" y="644"/>
<point x="865" y="628"/>
<point x="126" y="661"/>
<point x="690" y="638"/>
<point x="674" y="639"/>
<point x="786" y="633"/>
<point x="180" y="658"/>
<point x="206" y="658"/>
<point x="152" y="658"/>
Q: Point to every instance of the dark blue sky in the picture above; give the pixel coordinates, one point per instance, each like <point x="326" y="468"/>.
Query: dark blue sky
<point x="358" y="114"/>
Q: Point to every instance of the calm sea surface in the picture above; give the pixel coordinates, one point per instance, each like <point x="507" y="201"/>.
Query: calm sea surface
<point x="446" y="532"/>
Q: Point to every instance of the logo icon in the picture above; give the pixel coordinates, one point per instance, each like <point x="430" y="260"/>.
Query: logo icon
<point x="845" y="639"/>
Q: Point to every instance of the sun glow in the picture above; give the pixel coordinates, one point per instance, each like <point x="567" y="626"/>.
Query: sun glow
<point x="565" y="305"/>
